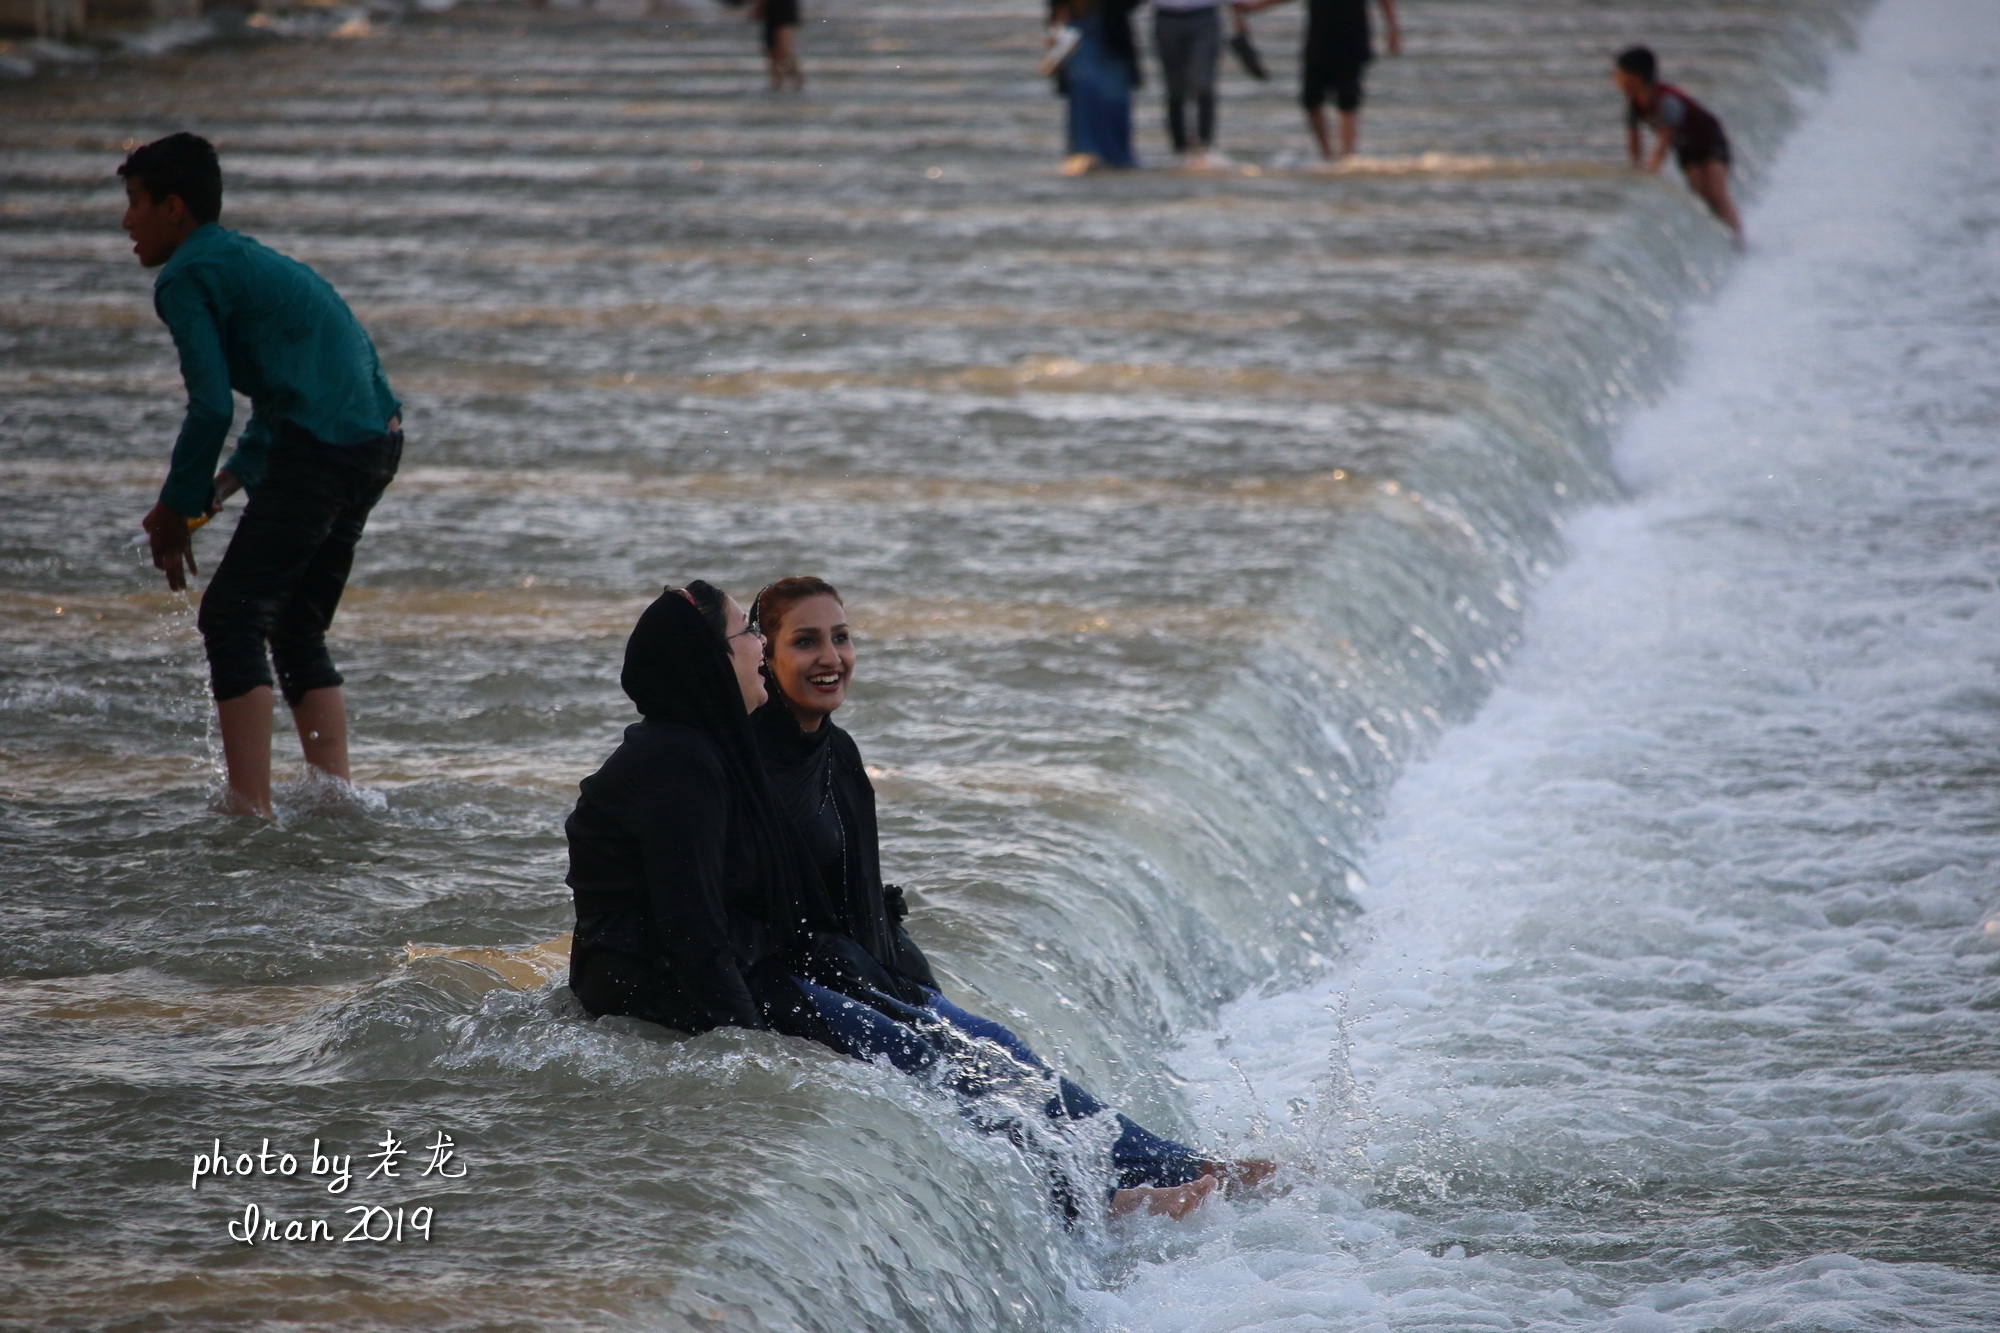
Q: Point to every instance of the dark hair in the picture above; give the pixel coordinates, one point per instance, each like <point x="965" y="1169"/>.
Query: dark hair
<point x="712" y="602"/>
<point x="1639" y="60"/>
<point x="767" y="612"/>
<point x="183" y="164"/>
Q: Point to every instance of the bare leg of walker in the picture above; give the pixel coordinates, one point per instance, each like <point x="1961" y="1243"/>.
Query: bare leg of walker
<point x="785" y="59"/>
<point x="321" y="717"/>
<point x="1316" y="118"/>
<point x="246" y="751"/>
<point x="1350" y="132"/>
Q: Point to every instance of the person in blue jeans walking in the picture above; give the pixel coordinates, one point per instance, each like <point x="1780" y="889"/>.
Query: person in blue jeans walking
<point x="324" y="439"/>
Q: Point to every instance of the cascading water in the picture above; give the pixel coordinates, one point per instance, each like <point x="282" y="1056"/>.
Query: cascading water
<point x="1179" y="515"/>
<point x="1674" y="1006"/>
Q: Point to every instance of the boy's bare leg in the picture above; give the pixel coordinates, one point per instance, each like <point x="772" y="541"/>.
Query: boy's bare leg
<point x="321" y="717"/>
<point x="246" y="751"/>
<point x="1710" y="180"/>
<point x="1316" y="117"/>
<point x="1350" y="132"/>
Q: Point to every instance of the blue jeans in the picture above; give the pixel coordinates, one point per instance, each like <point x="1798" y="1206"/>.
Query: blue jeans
<point x="1139" y="1157"/>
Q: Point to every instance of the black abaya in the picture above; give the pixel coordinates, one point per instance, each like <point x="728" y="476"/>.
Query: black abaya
<point x="821" y="783"/>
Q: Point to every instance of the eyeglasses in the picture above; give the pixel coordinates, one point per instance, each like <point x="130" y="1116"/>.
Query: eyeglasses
<point x="751" y="632"/>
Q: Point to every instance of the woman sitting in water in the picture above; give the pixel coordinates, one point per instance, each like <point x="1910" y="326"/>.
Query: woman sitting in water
<point x="698" y="904"/>
<point x="692" y="893"/>
<point x="816" y="770"/>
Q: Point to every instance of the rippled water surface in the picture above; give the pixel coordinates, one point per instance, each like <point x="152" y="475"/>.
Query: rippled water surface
<point x="1180" y="515"/>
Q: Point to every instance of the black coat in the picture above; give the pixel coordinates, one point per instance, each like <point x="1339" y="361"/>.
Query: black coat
<point x="664" y="879"/>
<point x="695" y="898"/>
<point x="804" y="767"/>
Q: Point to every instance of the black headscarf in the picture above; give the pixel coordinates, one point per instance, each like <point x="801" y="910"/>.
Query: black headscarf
<point x="677" y="669"/>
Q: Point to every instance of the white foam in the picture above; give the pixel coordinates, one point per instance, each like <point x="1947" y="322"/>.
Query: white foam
<point x="1688" y="922"/>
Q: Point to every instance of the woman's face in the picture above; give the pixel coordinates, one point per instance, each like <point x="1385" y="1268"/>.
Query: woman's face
<point x="812" y="659"/>
<point x="746" y="653"/>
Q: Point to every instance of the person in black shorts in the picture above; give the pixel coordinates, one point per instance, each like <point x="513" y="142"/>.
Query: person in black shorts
<point x="1683" y="124"/>
<point x="781" y="31"/>
<point x="1338" y="48"/>
<point x="324" y="439"/>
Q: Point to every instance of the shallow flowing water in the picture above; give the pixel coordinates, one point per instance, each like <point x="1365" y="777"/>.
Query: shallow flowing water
<point x="1180" y="515"/>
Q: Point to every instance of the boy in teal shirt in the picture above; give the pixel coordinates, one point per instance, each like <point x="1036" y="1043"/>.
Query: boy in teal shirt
<point x="323" y="440"/>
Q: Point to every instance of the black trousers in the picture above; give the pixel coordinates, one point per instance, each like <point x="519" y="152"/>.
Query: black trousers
<point x="1189" y="42"/>
<point x="279" y="583"/>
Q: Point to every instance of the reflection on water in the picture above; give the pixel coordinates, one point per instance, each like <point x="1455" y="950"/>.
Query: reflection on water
<point x="1178" y="514"/>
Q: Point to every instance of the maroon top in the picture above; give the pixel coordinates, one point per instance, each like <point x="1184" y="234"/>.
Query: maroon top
<point x="1691" y="127"/>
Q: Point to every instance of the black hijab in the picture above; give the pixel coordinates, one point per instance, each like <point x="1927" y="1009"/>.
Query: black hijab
<point x="677" y="669"/>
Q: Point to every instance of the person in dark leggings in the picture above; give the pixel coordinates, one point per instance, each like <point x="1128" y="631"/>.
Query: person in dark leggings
<point x="698" y="905"/>
<point x="820" y="780"/>
<point x="1187" y="35"/>
<point x="324" y="439"/>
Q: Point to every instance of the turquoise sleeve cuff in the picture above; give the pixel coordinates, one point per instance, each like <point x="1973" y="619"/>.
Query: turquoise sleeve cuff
<point x="191" y="477"/>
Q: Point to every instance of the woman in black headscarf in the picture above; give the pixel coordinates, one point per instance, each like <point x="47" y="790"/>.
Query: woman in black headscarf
<point x="694" y="899"/>
<point x="816" y="770"/>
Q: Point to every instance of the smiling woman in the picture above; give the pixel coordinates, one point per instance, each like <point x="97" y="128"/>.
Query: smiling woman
<point x="816" y="769"/>
<point x="808" y="646"/>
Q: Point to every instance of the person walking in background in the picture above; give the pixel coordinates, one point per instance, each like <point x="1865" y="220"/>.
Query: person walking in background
<point x="1099" y="77"/>
<point x="1338" y="49"/>
<point x="780" y="20"/>
<point x="1695" y="135"/>
<point x="324" y="439"/>
<point x="1187" y="34"/>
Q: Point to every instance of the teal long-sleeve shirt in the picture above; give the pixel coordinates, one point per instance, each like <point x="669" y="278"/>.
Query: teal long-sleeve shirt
<point x="247" y="318"/>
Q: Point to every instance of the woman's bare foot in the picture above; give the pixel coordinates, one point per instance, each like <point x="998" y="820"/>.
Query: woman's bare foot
<point x="1175" y="1201"/>
<point x="1239" y="1177"/>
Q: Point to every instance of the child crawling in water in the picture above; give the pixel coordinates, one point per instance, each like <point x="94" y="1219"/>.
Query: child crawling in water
<point x="726" y="873"/>
<point x="1679" y="122"/>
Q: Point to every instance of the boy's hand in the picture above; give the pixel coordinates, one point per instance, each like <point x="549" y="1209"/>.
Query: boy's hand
<point x="172" y="543"/>
<point x="226" y="485"/>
